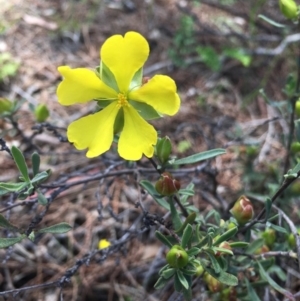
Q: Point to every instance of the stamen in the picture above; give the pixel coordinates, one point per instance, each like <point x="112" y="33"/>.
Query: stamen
<point x="122" y="100"/>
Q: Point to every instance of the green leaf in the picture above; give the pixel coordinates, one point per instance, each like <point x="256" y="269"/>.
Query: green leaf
<point x="277" y="228"/>
<point x="163" y="239"/>
<point x="239" y="244"/>
<point x="40" y="177"/>
<point x="226" y="236"/>
<point x="268" y="206"/>
<point x="256" y="244"/>
<point x="4" y="223"/>
<point x="188" y="221"/>
<point x="35" y="159"/>
<point x="137" y="79"/>
<point x="145" y="110"/>
<point x="7" y="242"/>
<point x="177" y="223"/>
<point x="187" y="294"/>
<point x="222" y="250"/>
<point x="270" y="21"/>
<point x="182" y="279"/>
<point x="213" y="260"/>
<point x="42" y="199"/>
<point x="20" y="161"/>
<point x="56" y="229"/>
<point x="152" y="191"/>
<point x="200" y="156"/>
<point x="203" y="242"/>
<point x="240" y="55"/>
<point x="188" y="192"/>
<point x="209" y="57"/>
<point x="13" y="187"/>
<point x="251" y="292"/>
<point x="277" y="287"/>
<point x="193" y="251"/>
<point x="107" y="76"/>
<point x="166" y="274"/>
<point x="223" y="277"/>
<point x="160" y="283"/>
<point x="177" y="283"/>
<point x="186" y="237"/>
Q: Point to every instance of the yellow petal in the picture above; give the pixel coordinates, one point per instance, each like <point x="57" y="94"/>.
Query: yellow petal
<point x="137" y="137"/>
<point x="94" y="132"/>
<point x="124" y="56"/>
<point x="103" y="244"/>
<point x="81" y="85"/>
<point x="160" y="93"/>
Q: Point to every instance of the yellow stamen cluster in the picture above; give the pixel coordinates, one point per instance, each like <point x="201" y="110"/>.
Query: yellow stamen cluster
<point x="122" y="100"/>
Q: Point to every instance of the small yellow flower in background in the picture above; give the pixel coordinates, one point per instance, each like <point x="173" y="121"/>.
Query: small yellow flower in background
<point x="103" y="244"/>
<point x="127" y="100"/>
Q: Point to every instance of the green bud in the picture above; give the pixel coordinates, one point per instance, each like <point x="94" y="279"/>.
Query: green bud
<point x="242" y="210"/>
<point x="289" y="9"/>
<point x="163" y="149"/>
<point x="213" y="284"/>
<point x="177" y="257"/>
<point x="269" y="236"/>
<point x="41" y="113"/>
<point x="167" y="185"/>
<point x="295" y="147"/>
<point x="5" y="105"/>
<point x="297" y="108"/>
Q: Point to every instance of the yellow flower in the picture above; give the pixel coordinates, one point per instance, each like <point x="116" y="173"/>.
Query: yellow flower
<point x="126" y="99"/>
<point x="103" y="244"/>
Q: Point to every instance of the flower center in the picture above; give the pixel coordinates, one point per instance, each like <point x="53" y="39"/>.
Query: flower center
<point x="122" y="100"/>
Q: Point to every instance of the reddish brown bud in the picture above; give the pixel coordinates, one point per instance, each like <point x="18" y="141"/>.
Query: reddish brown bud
<point x="145" y="80"/>
<point x="242" y="210"/>
<point x="213" y="284"/>
<point x="167" y="185"/>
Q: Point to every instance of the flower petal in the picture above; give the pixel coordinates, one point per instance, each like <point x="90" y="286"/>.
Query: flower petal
<point x="160" y="93"/>
<point x="94" y="132"/>
<point x="81" y="85"/>
<point x="137" y="137"/>
<point x="124" y="56"/>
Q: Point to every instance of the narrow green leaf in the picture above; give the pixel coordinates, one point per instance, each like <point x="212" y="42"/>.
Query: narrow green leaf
<point x="276" y="286"/>
<point x="239" y="244"/>
<point x="177" y="223"/>
<point x="203" y="242"/>
<point x="4" y="223"/>
<point x="35" y="159"/>
<point x="163" y="239"/>
<point x="40" y="177"/>
<point x="226" y="236"/>
<point x="13" y="187"/>
<point x="186" y="237"/>
<point x="188" y="192"/>
<point x="270" y="21"/>
<point x="193" y="251"/>
<point x="160" y="283"/>
<point x="251" y="292"/>
<point x="214" y="261"/>
<point x="200" y="156"/>
<point x="152" y="191"/>
<point x="168" y="273"/>
<point x="188" y="221"/>
<point x="182" y="279"/>
<point x="42" y="199"/>
<point x="56" y="229"/>
<point x="177" y="283"/>
<point x="20" y="161"/>
<point x="277" y="228"/>
<point x="7" y="242"/>
<point x="222" y="250"/>
<point x="223" y="277"/>
<point x="258" y="243"/>
<point x="268" y="206"/>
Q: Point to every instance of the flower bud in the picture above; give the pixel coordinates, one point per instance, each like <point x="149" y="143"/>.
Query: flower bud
<point x="262" y="250"/>
<point x="297" y="108"/>
<point x="41" y="113"/>
<point x="289" y="9"/>
<point x="167" y="185"/>
<point x="224" y="245"/>
<point x="177" y="257"/>
<point x="163" y="149"/>
<point x="5" y="105"/>
<point x="242" y="210"/>
<point x="213" y="284"/>
<point x="269" y="236"/>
